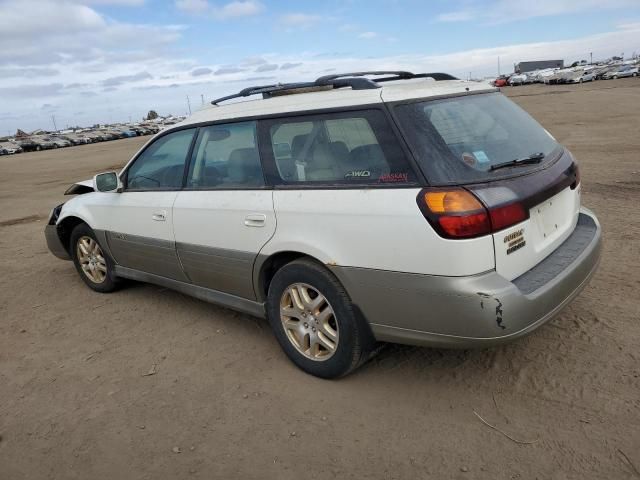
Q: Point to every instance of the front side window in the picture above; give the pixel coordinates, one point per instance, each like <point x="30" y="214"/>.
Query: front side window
<point x="464" y="139"/>
<point x="226" y="156"/>
<point x="161" y="165"/>
<point x="341" y="148"/>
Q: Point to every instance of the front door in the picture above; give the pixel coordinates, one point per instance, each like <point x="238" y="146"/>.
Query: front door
<point x="224" y="216"/>
<point x="138" y="222"/>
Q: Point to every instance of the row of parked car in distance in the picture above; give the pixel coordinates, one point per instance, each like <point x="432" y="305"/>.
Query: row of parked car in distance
<point x="45" y="141"/>
<point x="579" y="74"/>
<point x="41" y="140"/>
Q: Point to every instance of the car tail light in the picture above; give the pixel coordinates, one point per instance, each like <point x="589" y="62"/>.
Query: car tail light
<point x="457" y="213"/>
<point x="577" y="174"/>
<point x="507" y="215"/>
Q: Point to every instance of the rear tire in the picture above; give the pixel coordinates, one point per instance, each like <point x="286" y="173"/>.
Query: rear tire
<point x="315" y="322"/>
<point x="95" y="267"/>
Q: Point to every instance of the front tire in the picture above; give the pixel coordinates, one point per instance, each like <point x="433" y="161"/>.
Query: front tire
<point x="314" y="321"/>
<point x="94" y="266"/>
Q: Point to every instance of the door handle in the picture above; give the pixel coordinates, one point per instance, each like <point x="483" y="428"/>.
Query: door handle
<point x="159" y="216"/>
<point x="255" y="220"/>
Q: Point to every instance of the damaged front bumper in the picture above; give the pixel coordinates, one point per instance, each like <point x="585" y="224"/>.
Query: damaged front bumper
<point x="52" y="236"/>
<point x="475" y="311"/>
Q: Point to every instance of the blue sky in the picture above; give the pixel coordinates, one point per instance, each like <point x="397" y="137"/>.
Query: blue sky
<point x="88" y="61"/>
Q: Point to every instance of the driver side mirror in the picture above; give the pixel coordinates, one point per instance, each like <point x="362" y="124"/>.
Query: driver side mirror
<point x="107" y="182"/>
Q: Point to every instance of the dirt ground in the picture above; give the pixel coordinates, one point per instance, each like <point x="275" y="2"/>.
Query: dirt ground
<point x="225" y="402"/>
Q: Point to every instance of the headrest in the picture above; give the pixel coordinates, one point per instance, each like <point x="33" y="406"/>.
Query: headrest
<point x="297" y="144"/>
<point x="243" y="163"/>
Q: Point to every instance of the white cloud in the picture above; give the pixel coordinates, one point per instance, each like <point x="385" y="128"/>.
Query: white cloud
<point x="122" y="3"/>
<point x="124" y="79"/>
<point x="201" y="71"/>
<point x="300" y="20"/>
<point x="139" y="72"/>
<point x="235" y="9"/>
<point x="267" y="67"/>
<point x="458" y="16"/>
<point x="504" y="11"/>
<point x="64" y="32"/>
<point x="18" y="22"/>
<point x="193" y="6"/>
<point x="348" y="27"/>
<point x="368" y="35"/>
<point x="629" y="26"/>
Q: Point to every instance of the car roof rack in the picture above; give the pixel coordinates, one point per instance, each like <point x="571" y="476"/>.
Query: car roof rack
<point x="355" y="80"/>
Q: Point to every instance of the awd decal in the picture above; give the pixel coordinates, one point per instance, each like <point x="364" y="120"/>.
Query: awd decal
<point x="358" y="174"/>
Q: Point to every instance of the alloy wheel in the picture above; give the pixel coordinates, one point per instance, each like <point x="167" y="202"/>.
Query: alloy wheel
<point x="309" y="321"/>
<point x="91" y="259"/>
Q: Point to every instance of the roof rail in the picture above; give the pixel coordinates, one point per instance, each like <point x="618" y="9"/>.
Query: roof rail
<point x="354" y="80"/>
<point x="264" y="90"/>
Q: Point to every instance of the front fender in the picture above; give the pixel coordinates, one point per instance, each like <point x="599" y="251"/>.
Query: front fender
<point x="77" y="207"/>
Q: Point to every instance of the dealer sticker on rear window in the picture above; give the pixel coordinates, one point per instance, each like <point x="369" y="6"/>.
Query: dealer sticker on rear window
<point x="481" y="157"/>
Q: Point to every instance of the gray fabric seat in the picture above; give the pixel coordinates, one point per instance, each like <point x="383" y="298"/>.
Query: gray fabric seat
<point x="368" y="157"/>
<point x="243" y="168"/>
<point x="322" y="164"/>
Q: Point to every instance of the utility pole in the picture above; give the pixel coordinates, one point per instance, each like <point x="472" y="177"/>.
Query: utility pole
<point x="202" y="97"/>
<point x="591" y="54"/>
<point x="189" y="104"/>
<point x="53" y="119"/>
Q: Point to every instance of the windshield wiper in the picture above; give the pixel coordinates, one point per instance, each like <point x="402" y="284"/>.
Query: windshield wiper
<point x="533" y="158"/>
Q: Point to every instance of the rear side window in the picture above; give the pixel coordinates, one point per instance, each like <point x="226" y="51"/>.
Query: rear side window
<point x="226" y="156"/>
<point x="340" y="148"/>
<point x="463" y="139"/>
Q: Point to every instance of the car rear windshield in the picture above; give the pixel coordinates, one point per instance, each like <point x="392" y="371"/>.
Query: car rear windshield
<point x="460" y="139"/>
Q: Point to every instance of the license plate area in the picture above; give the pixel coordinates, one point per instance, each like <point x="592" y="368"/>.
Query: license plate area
<point x="551" y="217"/>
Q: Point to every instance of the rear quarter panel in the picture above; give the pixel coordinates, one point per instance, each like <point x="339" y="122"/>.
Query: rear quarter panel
<point x="372" y="228"/>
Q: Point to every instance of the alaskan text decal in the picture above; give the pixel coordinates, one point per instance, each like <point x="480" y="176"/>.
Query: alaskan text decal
<point x="394" y="177"/>
<point x="515" y="241"/>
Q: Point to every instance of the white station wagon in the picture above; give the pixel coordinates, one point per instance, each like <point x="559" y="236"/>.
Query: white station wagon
<point x="353" y="210"/>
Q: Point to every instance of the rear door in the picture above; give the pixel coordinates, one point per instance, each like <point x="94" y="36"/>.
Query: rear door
<point x="345" y="193"/>
<point x="224" y="215"/>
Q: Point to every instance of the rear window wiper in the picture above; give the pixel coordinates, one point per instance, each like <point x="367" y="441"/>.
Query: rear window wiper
<point x="533" y="158"/>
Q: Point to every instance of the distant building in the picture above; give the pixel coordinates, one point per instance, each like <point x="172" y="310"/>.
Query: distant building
<point x="538" y="65"/>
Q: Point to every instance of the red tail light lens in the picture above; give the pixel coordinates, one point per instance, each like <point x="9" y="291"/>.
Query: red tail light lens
<point x="465" y="226"/>
<point x="457" y="213"/>
<point x="503" y="217"/>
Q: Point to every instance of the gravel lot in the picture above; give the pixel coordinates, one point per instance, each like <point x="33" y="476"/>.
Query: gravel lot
<point x="226" y="403"/>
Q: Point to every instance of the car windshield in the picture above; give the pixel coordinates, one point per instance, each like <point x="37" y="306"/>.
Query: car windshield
<point x="460" y="139"/>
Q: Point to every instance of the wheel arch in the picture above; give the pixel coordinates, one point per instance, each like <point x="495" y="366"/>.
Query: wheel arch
<point x="266" y="266"/>
<point x="65" y="227"/>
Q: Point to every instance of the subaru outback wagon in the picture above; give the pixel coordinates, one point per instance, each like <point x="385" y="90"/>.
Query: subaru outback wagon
<point x="349" y="211"/>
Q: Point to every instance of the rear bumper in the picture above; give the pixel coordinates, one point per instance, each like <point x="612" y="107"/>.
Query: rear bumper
<point x="477" y="311"/>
